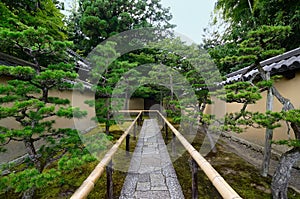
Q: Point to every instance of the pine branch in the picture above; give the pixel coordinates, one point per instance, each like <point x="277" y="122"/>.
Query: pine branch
<point x="49" y="162"/>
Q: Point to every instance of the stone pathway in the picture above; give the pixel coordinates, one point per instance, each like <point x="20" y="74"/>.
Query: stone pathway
<point x="151" y="173"/>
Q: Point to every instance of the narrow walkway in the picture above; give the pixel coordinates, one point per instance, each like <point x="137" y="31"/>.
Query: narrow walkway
<point x="151" y="173"/>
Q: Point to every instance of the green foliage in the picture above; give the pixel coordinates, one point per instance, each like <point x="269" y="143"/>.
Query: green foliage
<point x="29" y="178"/>
<point x="292" y="116"/>
<point x="34" y="45"/>
<point x="258" y="45"/>
<point x="19" y="72"/>
<point x="67" y="164"/>
<point x="8" y="19"/>
<point x="271" y="120"/>
<point x="108" y="71"/>
<point x="268" y="120"/>
<point x="241" y="92"/>
<point x="264" y="29"/>
<point x="71" y="112"/>
<point x="33" y="32"/>
<point x="96" y="21"/>
<point x="44" y="14"/>
<point x="56" y="100"/>
<point x="236" y="121"/>
<point x="290" y="143"/>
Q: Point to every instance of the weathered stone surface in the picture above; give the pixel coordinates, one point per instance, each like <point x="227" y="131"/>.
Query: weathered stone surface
<point x="160" y="188"/>
<point x="143" y="186"/>
<point x="173" y="187"/>
<point x="130" y="184"/>
<point x="168" y="171"/>
<point x="152" y="194"/>
<point x="151" y="173"/>
<point x="157" y="180"/>
<point x="144" y="177"/>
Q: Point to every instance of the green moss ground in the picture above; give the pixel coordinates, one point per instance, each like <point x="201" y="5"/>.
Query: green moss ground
<point x="242" y="176"/>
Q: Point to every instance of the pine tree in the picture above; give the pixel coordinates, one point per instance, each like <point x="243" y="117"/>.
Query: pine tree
<point x="26" y="99"/>
<point x="98" y="20"/>
<point x="261" y="44"/>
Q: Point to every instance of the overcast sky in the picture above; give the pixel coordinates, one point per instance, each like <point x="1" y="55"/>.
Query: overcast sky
<point x="190" y="16"/>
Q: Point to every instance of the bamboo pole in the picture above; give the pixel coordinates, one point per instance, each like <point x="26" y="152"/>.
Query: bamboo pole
<point x="219" y="183"/>
<point x="88" y="185"/>
<point x="217" y="180"/>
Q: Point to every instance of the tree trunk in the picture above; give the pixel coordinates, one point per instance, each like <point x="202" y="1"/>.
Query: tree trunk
<point x="269" y="135"/>
<point x="203" y="149"/>
<point x="171" y="86"/>
<point x="107" y="124"/>
<point x="107" y="127"/>
<point x="45" y="95"/>
<point x="28" y="194"/>
<point x="126" y="100"/>
<point x="267" y="153"/>
<point x="283" y="173"/>
<point x="210" y="139"/>
<point x="32" y="154"/>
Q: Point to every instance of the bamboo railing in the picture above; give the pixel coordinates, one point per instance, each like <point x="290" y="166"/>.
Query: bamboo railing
<point x="88" y="185"/>
<point x="217" y="180"/>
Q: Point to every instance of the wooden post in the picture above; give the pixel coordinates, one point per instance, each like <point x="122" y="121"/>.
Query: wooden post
<point x="173" y="144"/>
<point x="109" y="181"/>
<point x="166" y="129"/>
<point x="127" y="144"/>
<point x="134" y="131"/>
<point x="140" y="120"/>
<point x="194" y="179"/>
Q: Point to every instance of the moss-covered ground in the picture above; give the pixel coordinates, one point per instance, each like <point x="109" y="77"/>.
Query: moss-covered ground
<point x="242" y="176"/>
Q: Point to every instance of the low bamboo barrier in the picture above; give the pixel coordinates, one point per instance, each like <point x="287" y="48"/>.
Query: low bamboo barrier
<point x="88" y="185"/>
<point x="217" y="180"/>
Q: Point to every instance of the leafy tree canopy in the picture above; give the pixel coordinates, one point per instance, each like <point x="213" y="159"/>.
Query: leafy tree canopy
<point x="246" y="16"/>
<point x="19" y="15"/>
<point x="96" y="21"/>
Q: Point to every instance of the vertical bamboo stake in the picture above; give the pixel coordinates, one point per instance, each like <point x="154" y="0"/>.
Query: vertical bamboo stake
<point x="166" y="129"/>
<point x="109" y="181"/>
<point x="134" y="131"/>
<point x="173" y="144"/>
<point x="194" y="166"/>
<point x="127" y="144"/>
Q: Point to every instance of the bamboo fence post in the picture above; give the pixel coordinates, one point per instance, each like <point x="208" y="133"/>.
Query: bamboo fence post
<point x="173" y="144"/>
<point x="109" y="181"/>
<point x="166" y="129"/>
<point x="194" y="169"/>
<point x="127" y="144"/>
<point x="134" y="131"/>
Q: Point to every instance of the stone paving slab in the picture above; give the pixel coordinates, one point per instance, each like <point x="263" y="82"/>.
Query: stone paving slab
<point x="151" y="173"/>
